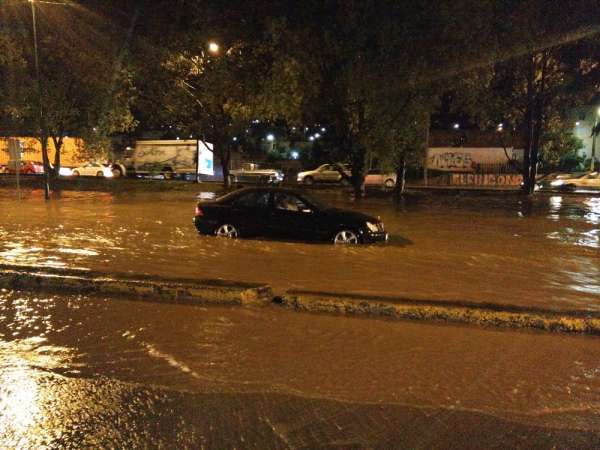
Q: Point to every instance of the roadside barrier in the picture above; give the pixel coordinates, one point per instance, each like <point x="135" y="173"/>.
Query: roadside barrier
<point x="219" y="292"/>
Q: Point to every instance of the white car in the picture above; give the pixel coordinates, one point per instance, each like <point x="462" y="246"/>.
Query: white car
<point x="327" y="173"/>
<point x="253" y="174"/>
<point x="586" y="180"/>
<point x="380" y="178"/>
<point x="92" y="169"/>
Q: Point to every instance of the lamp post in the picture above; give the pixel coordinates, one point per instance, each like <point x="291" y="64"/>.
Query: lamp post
<point x="40" y="101"/>
<point x="594" y="133"/>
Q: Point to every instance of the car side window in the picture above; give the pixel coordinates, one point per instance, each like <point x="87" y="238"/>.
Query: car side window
<point x="252" y="200"/>
<point x="289" y="202"/>
<point x="263" y="200"/>
<point x="246" y="200"/>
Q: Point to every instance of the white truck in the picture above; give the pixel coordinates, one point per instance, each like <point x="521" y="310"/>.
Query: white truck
<point x="165" y="159"/>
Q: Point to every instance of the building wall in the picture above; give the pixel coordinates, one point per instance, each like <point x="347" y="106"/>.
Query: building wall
<point x="69" y="154"/>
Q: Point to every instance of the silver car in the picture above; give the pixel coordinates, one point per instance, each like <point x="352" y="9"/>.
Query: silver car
<point x="327" y="173"/>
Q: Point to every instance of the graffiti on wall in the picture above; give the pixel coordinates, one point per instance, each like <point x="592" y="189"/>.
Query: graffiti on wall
<point x="451" y="161"/>
<point x="487" y="179"/>
<point x="467" y="159"/>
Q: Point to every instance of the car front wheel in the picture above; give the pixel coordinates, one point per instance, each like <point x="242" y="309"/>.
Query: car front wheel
<point x="389" y="183"/>
<point x="227" y="230"/>
<point x="347" y="237"/>
<point x="308" y="180"/>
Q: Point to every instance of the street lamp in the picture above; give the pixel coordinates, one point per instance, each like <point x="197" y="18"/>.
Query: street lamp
<point x="213" y="47"/>
<point x="40" y="101"/>
<point x="594" y="133"/>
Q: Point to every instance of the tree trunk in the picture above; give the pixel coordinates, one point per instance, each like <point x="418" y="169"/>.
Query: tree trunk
<point x="530" y="128"/>
<point x="225" y="153"/>
<point x="58" y="147"/>
<point x="46" y="161"/>
<point x="358" y="154"/>
<point x="400" y="177"/>
<point x="538" y="125"/>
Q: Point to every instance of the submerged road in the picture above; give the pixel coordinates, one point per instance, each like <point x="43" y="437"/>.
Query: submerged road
<point x="94" y="372"/>
<point x="500" y="249"/>
<point x="80" y="372"/>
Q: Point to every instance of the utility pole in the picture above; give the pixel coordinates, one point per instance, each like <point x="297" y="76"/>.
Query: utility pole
<point x="43" y="133"/>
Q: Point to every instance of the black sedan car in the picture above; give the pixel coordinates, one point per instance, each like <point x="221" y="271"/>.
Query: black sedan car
<point x="285" y="214"/>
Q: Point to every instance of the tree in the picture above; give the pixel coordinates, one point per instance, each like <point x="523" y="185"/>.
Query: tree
<point x="85" y="86"/>
<point x="546" y="64"/>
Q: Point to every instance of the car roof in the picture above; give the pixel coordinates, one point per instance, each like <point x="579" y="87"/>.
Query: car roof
<point x="238" y="192"/>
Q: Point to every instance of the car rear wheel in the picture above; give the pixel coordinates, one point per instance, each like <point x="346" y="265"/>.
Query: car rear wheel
<point x="389" y="183"/>
<point x="308" y="180"/>
<point x="347" y="237"/>
<point x="227" y="230"/>
<point x="345" y="182"/>
<point x="75" y="173"/>
<point x="99" y="174"/>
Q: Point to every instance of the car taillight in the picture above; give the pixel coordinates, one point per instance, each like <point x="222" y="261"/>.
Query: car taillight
<point x="199" y="211"/>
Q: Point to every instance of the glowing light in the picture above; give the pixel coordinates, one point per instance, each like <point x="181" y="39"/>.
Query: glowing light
<point x="213" y="47"/>
<point x="456" y="126"/>
<point x="295" y="155"/>
<point x="270" y="137"/>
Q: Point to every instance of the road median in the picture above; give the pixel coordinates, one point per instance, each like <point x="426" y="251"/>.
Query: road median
<point x="153" y="288"/>
<point x="143" y="287"/>
<point x="483" y="314"/>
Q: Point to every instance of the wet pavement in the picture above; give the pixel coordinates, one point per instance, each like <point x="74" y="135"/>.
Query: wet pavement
<point x="81" y="372"/>
<point x="501" y="249"/>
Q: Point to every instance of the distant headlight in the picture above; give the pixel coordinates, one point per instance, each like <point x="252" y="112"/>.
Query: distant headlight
<point x="372" y="227"/>
<point x="557" y="183"/>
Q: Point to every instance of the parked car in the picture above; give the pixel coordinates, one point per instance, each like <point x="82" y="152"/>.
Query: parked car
<point x="25" y="167"/>
<point x="327" y="173"/>
<point x="92" y="169"/>
<point x="252" y="173"/>
<point x="577" y="181"/>
<point x="284" y="213"/>
<point x="380" y="178"/>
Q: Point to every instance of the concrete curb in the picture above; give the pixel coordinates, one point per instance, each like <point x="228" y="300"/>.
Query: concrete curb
<point x="218" y="292"/>
<point x="134" y="286"/>
<point x="484" y="314"/>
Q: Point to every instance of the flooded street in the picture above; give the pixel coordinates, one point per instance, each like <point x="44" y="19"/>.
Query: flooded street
<point x="100" y="373"/>
<point x="96" y="372"/>
<point x="493" y="249"/>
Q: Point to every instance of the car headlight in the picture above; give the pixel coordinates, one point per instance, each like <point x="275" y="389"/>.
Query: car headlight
<point x="557" y="183"/>
<point x="65" y="172"/>
<point x="372" y="227"/>
<point x="108" y="173"/>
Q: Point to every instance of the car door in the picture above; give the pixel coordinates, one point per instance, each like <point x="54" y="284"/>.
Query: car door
<point x="292" y="217"/>
<point x="331" y="174"/>
<point x="250" y="212"/>
<point x="373" y="177"/>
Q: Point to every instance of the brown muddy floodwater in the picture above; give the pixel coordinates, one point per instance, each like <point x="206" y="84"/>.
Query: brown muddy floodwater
<point x="94" y="372"/>
<point x="543" y="252"/>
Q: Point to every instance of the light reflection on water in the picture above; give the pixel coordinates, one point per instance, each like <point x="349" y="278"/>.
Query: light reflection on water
<point x="468" y="248"/>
